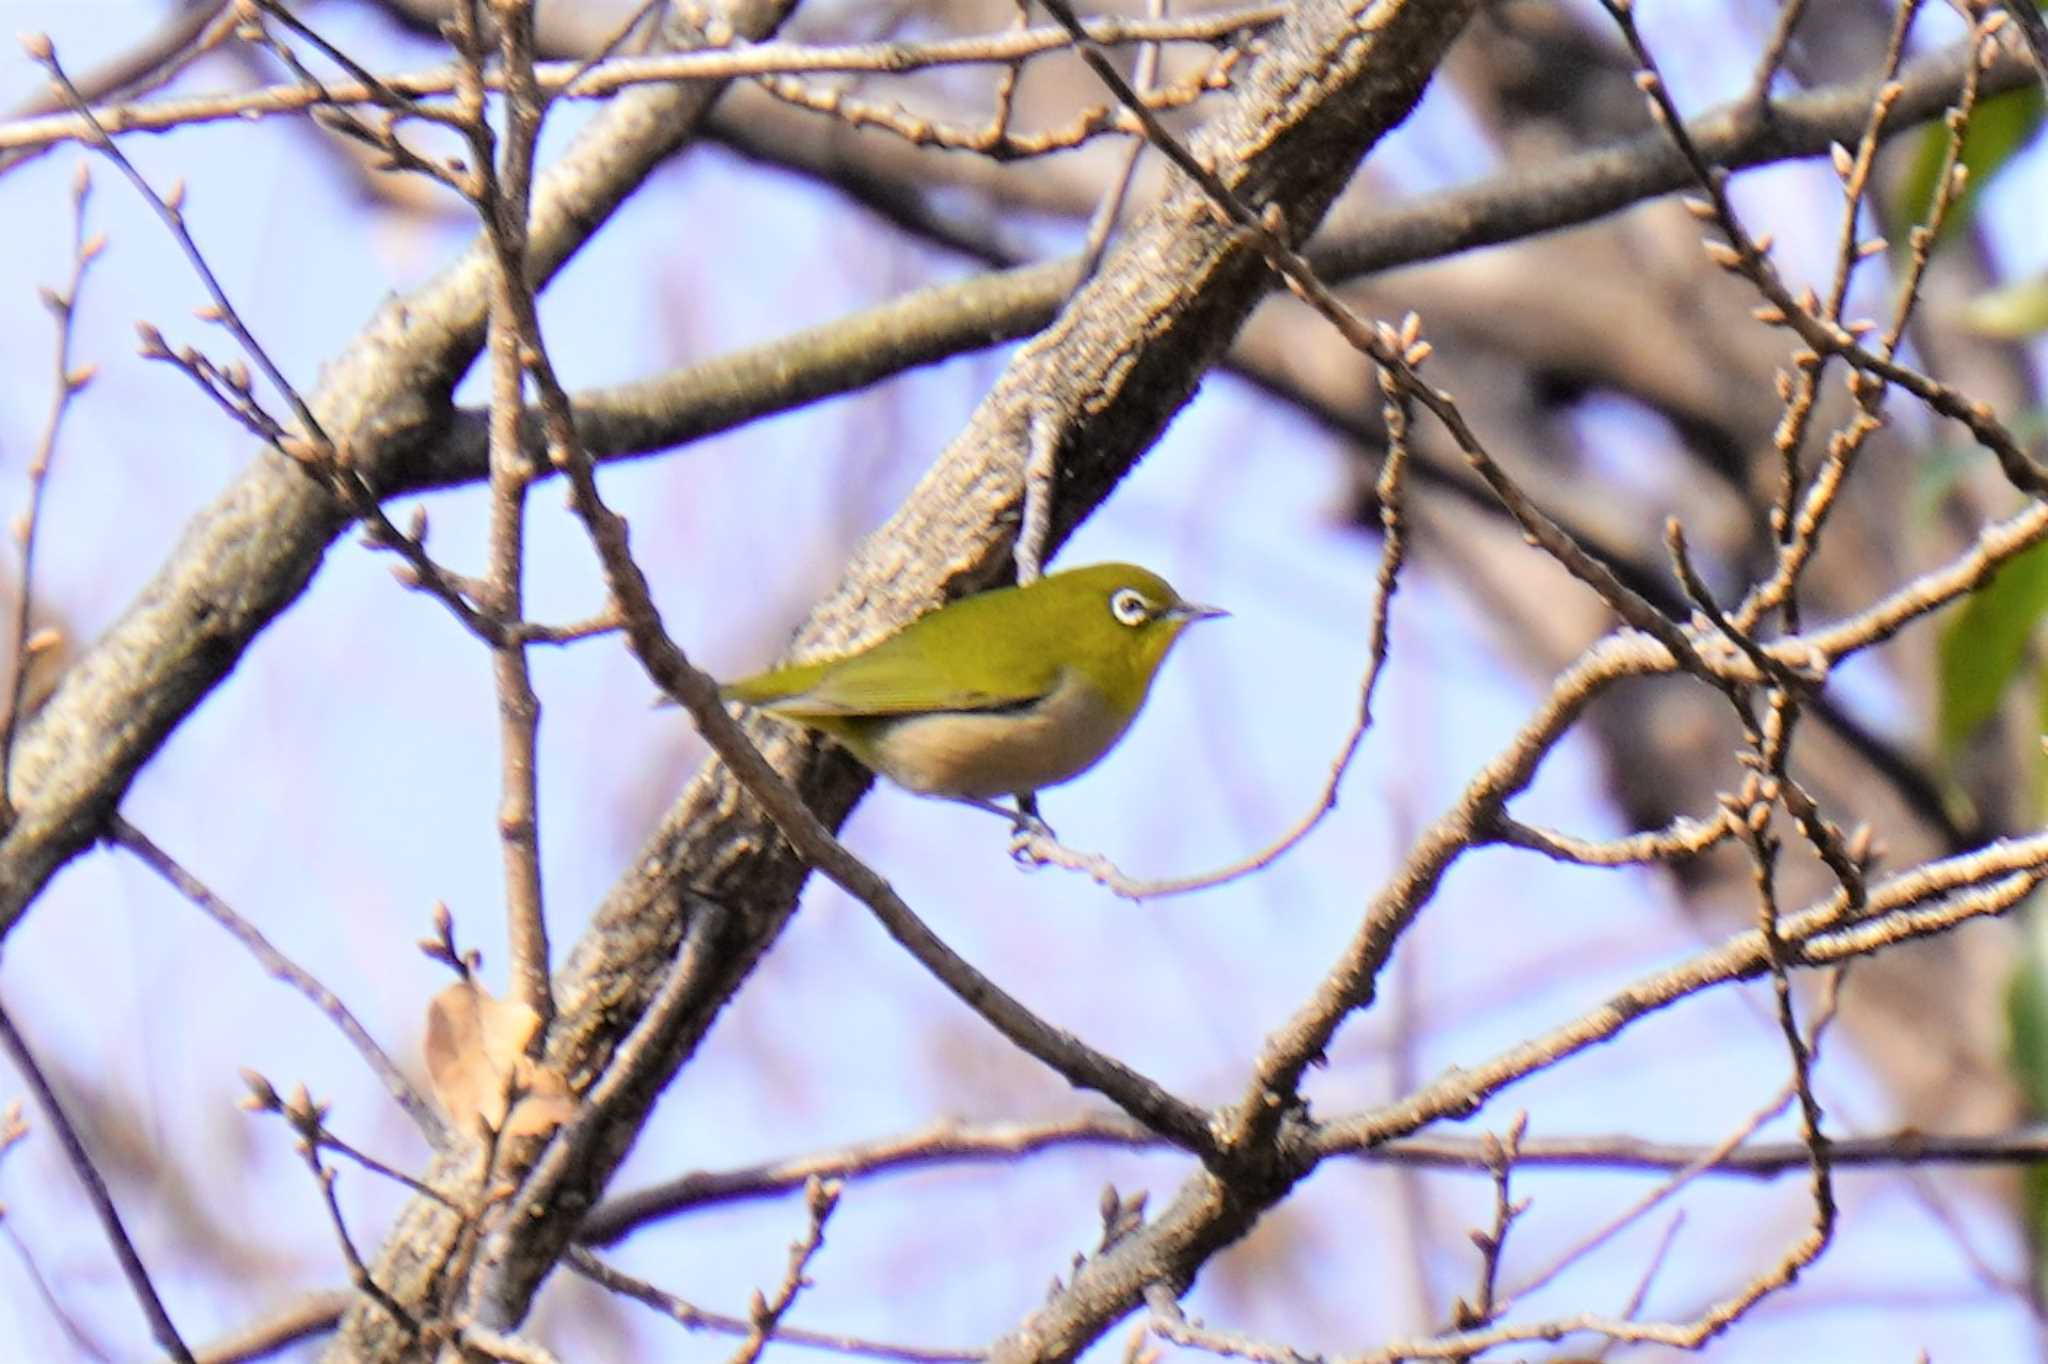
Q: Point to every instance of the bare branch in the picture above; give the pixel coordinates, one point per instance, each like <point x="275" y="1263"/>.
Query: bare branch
<point x="575" y="80"/>
<point x="161" y="1328"/>
<point x="314" y="1315"/>
<point x="416" y="1106"/>
<point x="695" y="1318"/>
<point x="66" y="384"/>
<point x="765" y="1316"/>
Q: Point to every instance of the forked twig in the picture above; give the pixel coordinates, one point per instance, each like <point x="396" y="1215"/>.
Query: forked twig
<point x="694" y="1318"/>
<point x="66" y="384"/>
<point x="1037" y="849"/>
<point x="422" y="1112"/>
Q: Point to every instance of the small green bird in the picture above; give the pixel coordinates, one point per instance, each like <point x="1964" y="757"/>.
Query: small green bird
<point x="998" y="694"/>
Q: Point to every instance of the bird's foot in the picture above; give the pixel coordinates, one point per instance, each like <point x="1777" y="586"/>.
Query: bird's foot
<point x="1025" y="823"/>
<point x="1030" y="835"/>
<point x="1027" y="820"/>
<point x="1033" y="840"/>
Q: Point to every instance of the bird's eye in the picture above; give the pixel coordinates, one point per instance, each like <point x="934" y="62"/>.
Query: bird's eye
<point x="1129" y="606"/>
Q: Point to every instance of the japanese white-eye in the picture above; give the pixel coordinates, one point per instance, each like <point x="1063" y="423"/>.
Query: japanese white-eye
<point x="998" y="694"/>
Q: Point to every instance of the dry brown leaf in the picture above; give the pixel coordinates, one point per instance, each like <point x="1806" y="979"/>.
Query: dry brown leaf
<point x="476" y="1060"/>
<point x="545" y="1102"/>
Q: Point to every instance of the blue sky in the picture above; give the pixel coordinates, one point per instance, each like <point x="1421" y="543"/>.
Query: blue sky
<point x="343" y="780"/>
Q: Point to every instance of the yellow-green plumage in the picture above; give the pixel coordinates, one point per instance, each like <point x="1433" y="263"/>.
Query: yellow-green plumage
<point x="996" y="694"/>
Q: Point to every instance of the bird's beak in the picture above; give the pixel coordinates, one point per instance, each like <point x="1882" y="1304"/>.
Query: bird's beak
<point x="1192" y="611"/>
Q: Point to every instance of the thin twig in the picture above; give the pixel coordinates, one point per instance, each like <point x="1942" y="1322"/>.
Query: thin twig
<point x="1770" y="750"/>
<point x="613" y="43"/>
<point x="1682" y="838"/>
<point x="171" y="212"/>
<point x="570" y="79"/>
<point x="673" y="672"/>
<point x="697" y="1319"/>
<point x="380" y="92"/>
<point x="1170" y="1322"/>
<point x="1041" y="472"/>
<point x="1758" y="96"/>
<point x="314" y="1315"/>
<point x="1386" y="349"/>
<point x="1004" y="1143"/>
<point x="66" y="383"/>
<point x="937" y="1143"/>
<point x="308" y="1119"/>
<point x="1712" y="1159"/>
<point x="343" y="119"/>
<point x="161" y="1328"/>
<point x="1748" y="257"/>
<point x="502" y="196"/>
<point x="766" y="1313"/>
<point x="2034" y="29"/>
<point x="186" y="36"/>
<point x="996" y="139"/>
<point x="86" y="1347"/>
<point x="1884" y="1152"/>
<point x="603" y="623"/>
<point x="1655" y="1265"/>
<point x="1096" y="239"/>
<point x="422" y="1112"/>
<point x="1486" y="1304"/>
<point x="310" y="447"/>
<point x="310" y="1125"/>
<point x="1933" y="898"/>
<point x="1039" y="849"/>
<point x="506" y="1347"/>
<point x="1798" y="519"/>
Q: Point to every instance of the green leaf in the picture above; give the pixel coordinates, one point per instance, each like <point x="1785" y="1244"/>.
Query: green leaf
<point x="1982" y="649"/>
<point x="2026" y="1016"/>
<point x="2037" y="754"/>
<point x="2026" y="1019"/>
<point x="2011" y="312"/>
<point x="2000" y="126"/>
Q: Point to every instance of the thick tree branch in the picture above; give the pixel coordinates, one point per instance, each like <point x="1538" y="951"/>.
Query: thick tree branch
<point x="1119" y="361"/>
<point x="1113" y="369"/>
<point x="949" y="1143"/>
<point x="251" y="553"/>
<point x="933" y="324"/>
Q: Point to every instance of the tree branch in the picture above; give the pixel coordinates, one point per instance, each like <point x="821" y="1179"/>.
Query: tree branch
<point x="250" y="554"/>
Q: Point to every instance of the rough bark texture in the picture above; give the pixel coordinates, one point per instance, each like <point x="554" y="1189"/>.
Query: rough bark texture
<point x="249" y="555"/>
<point x="1126" y="352"/>
<point x="1122" y="357"/>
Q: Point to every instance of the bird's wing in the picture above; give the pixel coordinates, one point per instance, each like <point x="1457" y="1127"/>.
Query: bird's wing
<point x="973" y="655"/>
<point x="871" y="685"/>
<point x="931" y="666"/>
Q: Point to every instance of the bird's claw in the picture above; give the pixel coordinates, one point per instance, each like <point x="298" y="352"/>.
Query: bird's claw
<point x="1029" y="828"/>
<point x="1028" y="843"/>
<point x="1028" y="823"/>
<point x="1028" y="833"/>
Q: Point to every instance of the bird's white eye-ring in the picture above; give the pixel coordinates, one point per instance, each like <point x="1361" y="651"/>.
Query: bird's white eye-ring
<point x="1129" y="606"/>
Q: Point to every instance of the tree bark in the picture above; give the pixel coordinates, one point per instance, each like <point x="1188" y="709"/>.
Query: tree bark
<point x="1122" y="357"/>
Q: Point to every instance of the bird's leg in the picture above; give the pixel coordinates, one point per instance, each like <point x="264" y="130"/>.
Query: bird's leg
<point x="1025" y="821"/>
<point x="1030" y="836"/>
<point x="1028" y="820"/>
<point x="1022" y="820"/>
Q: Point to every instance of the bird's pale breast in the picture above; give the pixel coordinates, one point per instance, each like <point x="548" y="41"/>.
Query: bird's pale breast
<point x="998" y="753"/>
